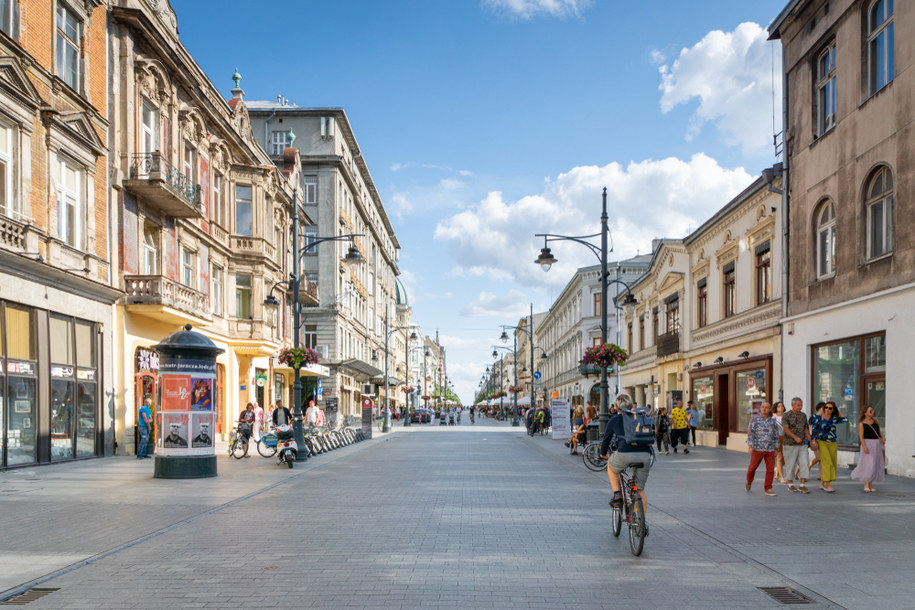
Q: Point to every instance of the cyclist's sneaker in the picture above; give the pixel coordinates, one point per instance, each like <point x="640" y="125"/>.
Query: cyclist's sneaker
<point x="646" y="530"/>
<point x="617" y="500"/>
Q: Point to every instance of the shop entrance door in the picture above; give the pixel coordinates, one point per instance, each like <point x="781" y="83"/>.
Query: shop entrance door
<point x="875" y="395"/>
<point x="722" y="408"/>
<point x="146" y="385"/>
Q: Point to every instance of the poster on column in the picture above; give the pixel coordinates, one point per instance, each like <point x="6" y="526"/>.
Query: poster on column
<point x="202" y="428"/>
<point x="561" y="429"/>
<point x="175" y="430"/>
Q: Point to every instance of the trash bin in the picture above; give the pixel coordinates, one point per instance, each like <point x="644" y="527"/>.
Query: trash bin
<point x="593" y="432"/>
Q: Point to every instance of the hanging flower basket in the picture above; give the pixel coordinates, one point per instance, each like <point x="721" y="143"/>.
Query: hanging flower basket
<point x="602" y="357"/>
<point x="297" y="357"/>
<point x="425" y="397"/>
<point x="515" y="389"/>
<point x="407" y="389"/>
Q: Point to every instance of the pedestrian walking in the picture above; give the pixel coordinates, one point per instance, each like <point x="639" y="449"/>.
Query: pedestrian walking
<point x="693" y="419"/>
<point x="144" y="425"/>
<point x="818" y="410"/>
<point x="258" y="420"/>
<point x="662" y="431"/>
<point x="825" y="438"/>
<point x="762" y="440"/>
<point x="591" y="412"/>
<point x="679" y="426"/>
<point x="795" y="440"/>
<point x="872" y="459"/>
<point x="778" y="412"/>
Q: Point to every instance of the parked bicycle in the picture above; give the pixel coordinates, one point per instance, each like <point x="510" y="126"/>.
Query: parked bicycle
<point x="632" y="509"/>
<point x="590" y="455"/>
<point x="238" y="448"/>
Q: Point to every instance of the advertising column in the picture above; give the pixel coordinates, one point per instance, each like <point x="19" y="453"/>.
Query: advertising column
<point x="367" y="410"/>
<point x="186" y="417"/>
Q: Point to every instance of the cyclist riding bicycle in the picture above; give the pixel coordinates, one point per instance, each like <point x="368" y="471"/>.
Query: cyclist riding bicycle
<point x="624" y="453"/>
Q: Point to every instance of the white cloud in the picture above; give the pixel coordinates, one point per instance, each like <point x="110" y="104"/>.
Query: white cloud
<point x="465" y="172"/>
<point x="732" y="75"/>
<point x="401" y="205"/>
<point x="512" y="305"/>
<point x="525" y="9"/>
<point x="647" y="199"/>
<point x="451" y="183"/>
<point x="395" y="167"/>
<point x="657" y="57"/>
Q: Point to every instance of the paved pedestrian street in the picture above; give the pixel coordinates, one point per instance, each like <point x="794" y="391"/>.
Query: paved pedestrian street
<point x="467" y="516"/>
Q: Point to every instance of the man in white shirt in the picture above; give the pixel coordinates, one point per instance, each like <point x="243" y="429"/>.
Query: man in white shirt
<point x="311" y="413"/>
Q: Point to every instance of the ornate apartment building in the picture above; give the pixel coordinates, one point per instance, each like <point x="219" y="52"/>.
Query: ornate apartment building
<point x="850" y="165"/>
<point x="204" y="219"/>
<point x="56" y="240"/>
<point x="705" y="325"/>
<point x="337" y="191"/>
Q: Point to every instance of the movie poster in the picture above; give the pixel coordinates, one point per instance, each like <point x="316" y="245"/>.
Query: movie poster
<point x="202" y="430"/>
<point x="175" y="430"/>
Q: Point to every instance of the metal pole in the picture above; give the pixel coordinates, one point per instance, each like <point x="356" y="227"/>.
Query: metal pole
<point x="616" y="309"/>
<point x="501" y="391"/>
<point x="406" y="376"/>
<point x="515" y="394"/>
<point x="385" y="425"/>
<point x="604" y="386"/>
<point x="297" y="430"/>
<point x="531" y="328"/>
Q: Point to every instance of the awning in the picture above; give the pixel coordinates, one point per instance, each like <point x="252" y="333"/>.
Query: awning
<point x="524" y="401"/>
<point x="360" y="368"/>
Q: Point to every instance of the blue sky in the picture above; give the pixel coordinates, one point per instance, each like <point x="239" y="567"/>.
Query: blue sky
<point x="486" y="121"/>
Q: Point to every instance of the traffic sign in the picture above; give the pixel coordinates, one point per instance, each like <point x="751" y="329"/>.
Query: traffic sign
<point x="537" y="375"/>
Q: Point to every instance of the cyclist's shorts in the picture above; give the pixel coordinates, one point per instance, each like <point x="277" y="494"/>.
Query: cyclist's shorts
<point x="620" y="461"/>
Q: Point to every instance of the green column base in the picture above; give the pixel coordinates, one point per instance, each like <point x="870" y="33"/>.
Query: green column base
<point x="185" y="466"/>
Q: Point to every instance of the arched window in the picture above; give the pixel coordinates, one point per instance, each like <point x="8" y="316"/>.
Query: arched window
<point x="826" y="239"/>
<point x="879" y="45"/>
<point x="879" y="212"/>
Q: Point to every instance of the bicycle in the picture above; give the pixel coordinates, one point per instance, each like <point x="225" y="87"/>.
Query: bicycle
<point x="238" y="448"/>
<point x="633" y="509"/>
<point x="590" y="455"/>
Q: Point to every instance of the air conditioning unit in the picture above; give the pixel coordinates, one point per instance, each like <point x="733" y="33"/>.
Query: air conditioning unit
<point x="368" y="389"/>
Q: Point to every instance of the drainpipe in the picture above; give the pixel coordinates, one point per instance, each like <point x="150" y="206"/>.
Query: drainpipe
<point x="267" y="132"/>
<point x="786" y="201"/>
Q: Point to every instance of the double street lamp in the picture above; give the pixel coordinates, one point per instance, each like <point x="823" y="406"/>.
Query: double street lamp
<point x="529" y="331"/>
<point x="353" y="256"/>
<point x="386" y="427"/>
<point x="495" y="355"/>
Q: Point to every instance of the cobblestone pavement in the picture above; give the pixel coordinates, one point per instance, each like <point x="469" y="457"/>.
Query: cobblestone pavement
<point x="468" y="516"/>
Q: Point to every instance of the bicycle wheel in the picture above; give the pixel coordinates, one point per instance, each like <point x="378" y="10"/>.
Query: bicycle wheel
<point x="264" y="449"/>
<point x="239" y="448"/>
<point x="637" y="526"/>
<point x="616" y="520"/>
<point x="591" y="457"/>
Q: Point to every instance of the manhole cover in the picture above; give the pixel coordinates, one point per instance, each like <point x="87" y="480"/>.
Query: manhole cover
<point x="27" y="596"/>
<point x="786" y="595"/>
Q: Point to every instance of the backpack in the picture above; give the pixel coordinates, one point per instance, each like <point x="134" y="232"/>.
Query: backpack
<point x="638" y="428"/>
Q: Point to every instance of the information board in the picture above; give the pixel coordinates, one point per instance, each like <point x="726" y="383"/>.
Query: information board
<point x="561" y="425"/>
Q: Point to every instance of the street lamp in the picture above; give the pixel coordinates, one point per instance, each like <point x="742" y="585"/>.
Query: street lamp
<point x="495" y="354"/>
<point x="628" y="301"/>
<point x="516" y="421"/>
<point x="385" y="426"/>
<point x="353" y="256"/>
<point x="547" y="260"/>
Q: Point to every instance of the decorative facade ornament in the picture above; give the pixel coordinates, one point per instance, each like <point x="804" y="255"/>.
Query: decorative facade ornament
<point x="164" y="12"/>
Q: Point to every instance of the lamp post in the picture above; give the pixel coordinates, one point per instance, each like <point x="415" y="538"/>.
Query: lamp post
<point x="546" y="260"/>
<point x="543" y="357"/>
<point x="495" y="355"/>
<point x="530" y="335"/>
<point x="353" y="256"/>
<point x="514" y="351"/>
<point x="386" y="424"/>
<point x="628" y="300"/>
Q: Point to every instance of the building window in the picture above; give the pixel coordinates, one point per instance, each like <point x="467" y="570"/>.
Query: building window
<point x="672" y="315"/>
<point x="244" y="222"/>
<point x="188" y="267"/>
<point x="704" y="399"/>
<point x="310" y="235"/>
<point x="597" y="302"/>
<point x="218" y="197"/>
<point x="310" y="336"/>
<point x="217" y="289"/>
<point x="6" y="170"/>
<point x="311" y="189"/>
<point x="642" y="332"/>
<point x="9" y="18"/>
<point x="879" y="44"/>
<point x="654" y="326"/>
<point x="880" y="213"/>
<point x="242" y="296"/>
<point x="149" y="136"/>
<point x="69" y="205"/>
<point x="826" y="90"/>
<point x="68" y="45"/>
<point x="596" y="342"/>
<point x="826" y="240"/>
<point x="730" y="290"/>
<point x="279" y="142"/>
<point x="702" y="302"/>
<point x="763" y="274"/>
<point x="150" y="254"/>
<point x="629" y="338"/>
<point x="189" y="162"/>
<point x="751" y="394"/>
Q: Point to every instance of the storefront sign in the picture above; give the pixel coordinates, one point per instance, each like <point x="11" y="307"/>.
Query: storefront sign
<point x="20" y="368"/>
<point x="187" y="365"/>
<point x="330" y="405"/>
<point x="85" y="375"/>
<point x="61" y="371"/>
<point x="147" y="361"/>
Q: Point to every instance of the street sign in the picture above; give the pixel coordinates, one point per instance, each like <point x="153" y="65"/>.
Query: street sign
<point x="537" y="375"/>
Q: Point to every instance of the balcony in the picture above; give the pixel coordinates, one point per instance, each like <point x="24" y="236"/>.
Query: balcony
<point x="668" y="343"/>
<point x="165" y="299"/>
<point x="252" y="246"/>
<point x="308" y="294"/>
<point x="162" y="184"/>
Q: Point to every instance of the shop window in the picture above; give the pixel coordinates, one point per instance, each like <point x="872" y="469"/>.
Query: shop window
<point x="751" y="393"/>
<point x="704" y="399"/>
<point x="21" y="386"/>
<point x="63" y="387"/>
